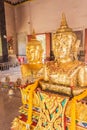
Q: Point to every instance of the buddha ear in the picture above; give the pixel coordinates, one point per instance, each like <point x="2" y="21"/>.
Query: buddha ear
<point x="76" y="49"/>
<point x="77" y="45"/>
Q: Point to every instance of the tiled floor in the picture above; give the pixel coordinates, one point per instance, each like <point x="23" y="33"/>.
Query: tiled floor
<point x="12" y="72"/>
<point x="9" y="107"/>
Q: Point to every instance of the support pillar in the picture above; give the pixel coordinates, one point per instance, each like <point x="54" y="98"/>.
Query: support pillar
<point x="3" y="41"/>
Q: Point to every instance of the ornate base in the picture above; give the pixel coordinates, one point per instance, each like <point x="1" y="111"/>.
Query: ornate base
<point x="49" y="116"/>
<point x="51" y="111"/>
<point x="77" y="127"/>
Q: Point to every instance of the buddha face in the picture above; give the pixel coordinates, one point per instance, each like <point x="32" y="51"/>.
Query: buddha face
<point x="63" y="46"/>
<point x="34" y="54"/>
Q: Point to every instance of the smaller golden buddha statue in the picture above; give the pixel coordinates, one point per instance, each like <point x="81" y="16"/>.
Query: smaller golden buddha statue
<point x="34" y="53"/>
<point x="65" y="71"/>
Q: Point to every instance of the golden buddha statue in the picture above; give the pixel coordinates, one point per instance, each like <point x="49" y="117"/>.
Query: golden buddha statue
<point x="34" y="53"/>
<point x="65" y="71"/>
<point x="62" y="75"/>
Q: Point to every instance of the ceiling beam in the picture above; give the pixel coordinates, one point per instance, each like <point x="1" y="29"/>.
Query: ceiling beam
<point x="15" y="2"/>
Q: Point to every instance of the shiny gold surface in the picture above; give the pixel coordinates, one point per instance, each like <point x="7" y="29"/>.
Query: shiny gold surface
<point x="52" y="112"/>
<point x="66" y="70"/>
<point x="34" y="51"/>
<point x="65" y="43"/>
<point x="34" y="58"/>
<point x="81" y="111"/>
<point x="60" y="75"/>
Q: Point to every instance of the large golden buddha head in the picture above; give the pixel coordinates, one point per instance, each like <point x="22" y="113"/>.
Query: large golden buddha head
<point x="65" y="43"/>
<point x="34" y="50"/>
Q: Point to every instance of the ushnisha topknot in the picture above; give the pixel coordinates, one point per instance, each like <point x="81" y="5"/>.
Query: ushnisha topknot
<point x="64" y="26"/>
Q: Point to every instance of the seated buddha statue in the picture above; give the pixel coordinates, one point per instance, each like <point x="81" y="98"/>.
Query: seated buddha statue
<point x="66" y="72"/>
<point x="34" y="53"/>
<point x="34" y="50"/>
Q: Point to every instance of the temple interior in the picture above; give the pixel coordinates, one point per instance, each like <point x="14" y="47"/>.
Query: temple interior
<point x="43" y="65"/>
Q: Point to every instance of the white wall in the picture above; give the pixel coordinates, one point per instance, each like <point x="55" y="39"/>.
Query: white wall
<point x="22" y="18"/>
<point x="46" y="15"/>
<point x="10" y="24"/>
<point x="10" y="19"/>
